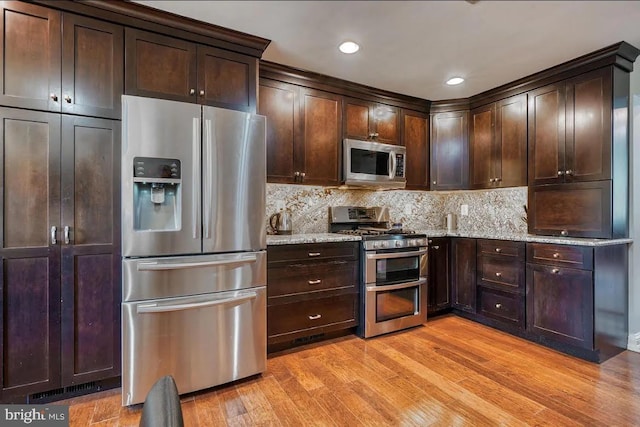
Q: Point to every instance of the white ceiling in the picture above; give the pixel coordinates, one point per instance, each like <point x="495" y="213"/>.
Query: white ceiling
<point x="413" y="47"/>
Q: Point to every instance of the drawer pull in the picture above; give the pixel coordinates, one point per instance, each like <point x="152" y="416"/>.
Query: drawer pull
<point x="312" y="254"/>
<point x="315" y="316"/>
<point x="498" y="274"/>
<point x="555" y="271"/>
<point x="556" y="255"/>
<point x="498" y="250"/>
<point x="498" y="305"/>
<point x="314" y="282"/>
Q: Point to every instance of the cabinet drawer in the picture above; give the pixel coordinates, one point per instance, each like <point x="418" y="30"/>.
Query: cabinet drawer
<point x="303" y="317"/>
<point x="565" y="256"/>
<point x="312" y="251"/>
<point x="313" y="277"/>
<point x="503" y="272"/>
<point x="505" y="307"/>
<point x="501" y="247"/>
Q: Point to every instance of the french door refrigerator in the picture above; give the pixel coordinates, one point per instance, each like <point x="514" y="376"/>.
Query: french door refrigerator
<point x="193" y="245"/>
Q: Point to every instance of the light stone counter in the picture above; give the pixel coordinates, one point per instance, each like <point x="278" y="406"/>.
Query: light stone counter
<point x="528" y="238"/>
<point x="310" y="238"/>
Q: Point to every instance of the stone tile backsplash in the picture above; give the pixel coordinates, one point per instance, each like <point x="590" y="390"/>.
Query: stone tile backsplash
<point x="489" y="210"/>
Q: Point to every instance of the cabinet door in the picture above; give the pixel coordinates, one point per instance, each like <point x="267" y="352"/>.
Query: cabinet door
<point x="279" y="103"/>
<point x="91" y="249"/>
<point x="449" y="151"/>
<point x="560" y="304"/>
<point x="226" y="79"/>
<point x="92" y="67"/>
<point x="439" y="288"/>
<point x="510" y="165"/>
<point x="481" y="147"/>
<point x="320" y="141"/>
<point x="30" y="52"/>
<point x="463" y="274"/>
<point x="546" y="135"/>
<point x="386" y="124"/>
<point x="357" y="119"/>
<point x="589" y="132"/>
<point x="415" y="138"/>
<point x="30" y="280"/>
<point x="159" y="67"/>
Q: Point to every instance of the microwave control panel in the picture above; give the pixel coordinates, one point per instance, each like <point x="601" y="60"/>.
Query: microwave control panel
<point x="400" y="165"/>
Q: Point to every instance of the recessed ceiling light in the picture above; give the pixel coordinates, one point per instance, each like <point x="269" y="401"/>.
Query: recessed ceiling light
<point x="455" y="81"/>
<point x="348" y="47"/>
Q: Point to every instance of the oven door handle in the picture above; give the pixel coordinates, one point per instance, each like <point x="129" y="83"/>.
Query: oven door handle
<point x="396" y="287"/>
<point x="160" y="308"/>
<point x="397" y="254"/>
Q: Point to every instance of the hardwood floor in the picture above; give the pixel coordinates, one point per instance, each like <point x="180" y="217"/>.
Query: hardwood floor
<point x="450" y="371"/>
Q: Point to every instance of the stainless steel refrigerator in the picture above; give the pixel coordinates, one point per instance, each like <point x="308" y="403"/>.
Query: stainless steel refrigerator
<point x="193" y="245"/>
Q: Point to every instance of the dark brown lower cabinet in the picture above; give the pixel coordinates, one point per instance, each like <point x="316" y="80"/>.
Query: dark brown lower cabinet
<point x="463" y="274"/>
<point x="60" y="291"/>
<point x="439" y="285"/>
<point x="313" y="289"/>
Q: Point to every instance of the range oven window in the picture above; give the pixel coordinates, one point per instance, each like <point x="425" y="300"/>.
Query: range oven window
<point x="369" y="162"/>
<point x="397" y="270"/>
<point x="397" y="303"/>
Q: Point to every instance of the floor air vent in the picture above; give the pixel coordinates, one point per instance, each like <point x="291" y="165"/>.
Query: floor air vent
<point x="65" y="393"/>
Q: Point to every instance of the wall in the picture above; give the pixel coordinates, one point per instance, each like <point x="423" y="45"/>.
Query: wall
<point x="489" y="210"/>
<point x="634" y="223"/>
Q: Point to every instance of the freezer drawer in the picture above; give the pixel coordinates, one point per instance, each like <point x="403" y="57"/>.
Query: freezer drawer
<point x="151" y="278"/>
<point x="202" y="341"/>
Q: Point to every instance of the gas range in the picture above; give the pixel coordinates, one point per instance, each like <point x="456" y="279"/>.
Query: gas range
<point x="372" y="224"/>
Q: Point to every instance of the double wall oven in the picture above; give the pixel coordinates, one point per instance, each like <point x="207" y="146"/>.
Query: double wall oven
<point x="393" y="271"/>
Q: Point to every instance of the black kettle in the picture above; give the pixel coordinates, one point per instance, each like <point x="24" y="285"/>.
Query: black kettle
<point x="280" y="222"/>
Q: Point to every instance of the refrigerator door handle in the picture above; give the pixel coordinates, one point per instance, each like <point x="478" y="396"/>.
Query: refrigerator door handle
<point x="196" y="175"/>
<point x="163" y="308"/>
<point x="207" y="179"/>
<point x="158" y="266"/>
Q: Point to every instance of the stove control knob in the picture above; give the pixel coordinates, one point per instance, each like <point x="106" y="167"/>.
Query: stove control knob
<point x="398" y="244"/>
<point x="413" y="242"/>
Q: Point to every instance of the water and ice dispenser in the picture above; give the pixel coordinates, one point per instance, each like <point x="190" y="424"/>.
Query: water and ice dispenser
<point x="157" y="194"/>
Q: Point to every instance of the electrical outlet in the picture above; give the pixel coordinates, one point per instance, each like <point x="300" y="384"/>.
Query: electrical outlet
<point x="279" y="205"/>
<point x="464" y="210"/>
<point x="407" y="209"/>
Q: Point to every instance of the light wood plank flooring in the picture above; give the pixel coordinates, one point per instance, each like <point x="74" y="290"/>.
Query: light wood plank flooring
<point x="450" y="371"/>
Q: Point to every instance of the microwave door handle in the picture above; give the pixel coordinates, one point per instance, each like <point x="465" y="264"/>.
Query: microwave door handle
<point x="392" y="170"/>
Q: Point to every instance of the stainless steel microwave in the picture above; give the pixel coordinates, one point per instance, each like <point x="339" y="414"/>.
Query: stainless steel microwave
<point x="373" y="164"/>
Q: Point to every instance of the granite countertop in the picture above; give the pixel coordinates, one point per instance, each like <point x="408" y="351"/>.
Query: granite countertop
<point x="333" y="237"/>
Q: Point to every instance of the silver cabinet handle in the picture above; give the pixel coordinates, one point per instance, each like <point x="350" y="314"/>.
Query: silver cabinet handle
<point x="498" y="250"/>
<point x="430" y="241"/>
<point x="568" y="172"/>
<point x="296" y="173"/>
<point x="555" y="271"/>
<point x="314" y="282"/>
<point x="192" y="91"/>
<point x="201" y="92"/>
<point x="53" y="97"/>
<point x="155" y="266"/>
<point x="68" y="99"/>
<point x="67" y="239"/>
<point x="436" y="247"/>
<point x="160" y="308"/>
<point x="315" y="316"/>
<point x="498" y="274"/>
<point x="312" y="254"/>
<point x="498" y="179"/>
<point x="498" y="305"/>
<point x="54" y="232"/>
<point x="560" y="173"/>
<point x="556" y="255"/>
<point x="434" y="183"/>
<point x="490" y="179"/>
<point x="302" y="175"/>
<point x="564" y="233"/>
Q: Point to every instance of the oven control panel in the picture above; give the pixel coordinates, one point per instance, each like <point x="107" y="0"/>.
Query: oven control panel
<point x="372" y="245"/>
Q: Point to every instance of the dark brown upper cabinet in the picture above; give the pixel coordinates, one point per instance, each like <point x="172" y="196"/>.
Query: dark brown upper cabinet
<point x="60" y="62"/>
<point x="570" y="130"/>
<point x="498" y="144"/>
<point x="304" y="128"/>
<point x="365" y="120"/>
<point x="449" y="150"/>
<point x="165" y="67"/>
<point x="415" y="131"/>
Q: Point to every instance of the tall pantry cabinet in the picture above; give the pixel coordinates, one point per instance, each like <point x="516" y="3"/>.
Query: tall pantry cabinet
<point x="60" y="200"/>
